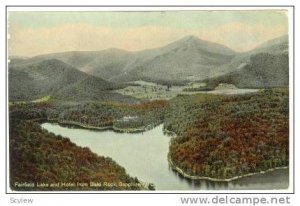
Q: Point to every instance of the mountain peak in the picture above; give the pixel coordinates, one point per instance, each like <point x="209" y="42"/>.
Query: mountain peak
<point x="194" y="42"/>
<point x="191" y="38"/>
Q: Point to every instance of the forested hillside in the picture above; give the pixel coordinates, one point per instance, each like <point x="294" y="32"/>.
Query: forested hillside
<point x="223" y="137"/>
<point x="55" y="78"/>
<point x="219" y="134"/>
<point x="37" y="156"/>
<point x="111" y="115"/>
<point x="264" y="71"/>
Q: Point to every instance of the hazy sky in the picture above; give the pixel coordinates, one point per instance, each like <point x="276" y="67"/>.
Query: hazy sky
<point x="34" y="33"/>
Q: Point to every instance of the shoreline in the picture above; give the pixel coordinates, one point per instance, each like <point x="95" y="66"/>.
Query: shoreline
<point x="169" y="133"/>
<point x="196" y="177"/>
<point x="104" y="128"/>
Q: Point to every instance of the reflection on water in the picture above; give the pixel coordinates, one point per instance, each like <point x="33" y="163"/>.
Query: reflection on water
<point x="144" y="155"/>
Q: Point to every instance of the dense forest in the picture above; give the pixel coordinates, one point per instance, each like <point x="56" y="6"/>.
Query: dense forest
<point x="40" y="157"/>
<point x="114" y="115"/>
<point x="216" y="136"/>
<point x="226" y="136"/>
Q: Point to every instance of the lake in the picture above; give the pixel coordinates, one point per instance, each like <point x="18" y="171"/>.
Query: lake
<point x="144" y="155"/>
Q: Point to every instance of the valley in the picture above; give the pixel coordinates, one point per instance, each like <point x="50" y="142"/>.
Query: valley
<point x="150" y="91"/>
<point x="221" y="115"/>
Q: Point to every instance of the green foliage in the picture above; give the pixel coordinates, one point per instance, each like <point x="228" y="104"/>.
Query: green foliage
<point x="141" y="116"/>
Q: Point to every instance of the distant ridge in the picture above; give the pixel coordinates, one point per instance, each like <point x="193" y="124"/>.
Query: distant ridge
<point x="188" y="59"/>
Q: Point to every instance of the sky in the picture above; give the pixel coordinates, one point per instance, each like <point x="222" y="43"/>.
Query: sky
<point x="39" y="32"/>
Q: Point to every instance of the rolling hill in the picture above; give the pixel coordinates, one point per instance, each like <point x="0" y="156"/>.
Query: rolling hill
<point x="265" y="66"/>
<point x="56" y="78"/>
<point x="263" y="71"/>
<point x="274" y="46"/>
<point x="185" y="59"/>
<point x="188" y="59"/>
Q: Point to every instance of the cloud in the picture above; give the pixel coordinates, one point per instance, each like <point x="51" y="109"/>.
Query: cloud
<point x="81" y="36"/>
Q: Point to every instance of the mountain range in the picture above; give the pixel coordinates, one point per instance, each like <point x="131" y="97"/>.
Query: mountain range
<point x="188" y="59"/>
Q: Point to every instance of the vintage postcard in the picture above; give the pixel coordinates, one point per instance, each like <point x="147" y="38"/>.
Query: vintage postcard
<point x="150" y="99"/>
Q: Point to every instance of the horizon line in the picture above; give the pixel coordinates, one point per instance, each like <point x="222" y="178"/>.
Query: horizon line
<point x="141" y="50"/>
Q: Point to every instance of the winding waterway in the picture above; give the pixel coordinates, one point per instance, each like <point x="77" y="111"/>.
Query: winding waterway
<point x="144" y="155"/>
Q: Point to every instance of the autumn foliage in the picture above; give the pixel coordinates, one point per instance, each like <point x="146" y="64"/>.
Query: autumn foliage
<point x="38" y="156"/>
<point x="224" y="137"/>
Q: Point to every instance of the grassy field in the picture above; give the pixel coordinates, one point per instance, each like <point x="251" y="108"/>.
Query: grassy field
<point x="151" y="91"/>
<point x="40" y="100"/>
